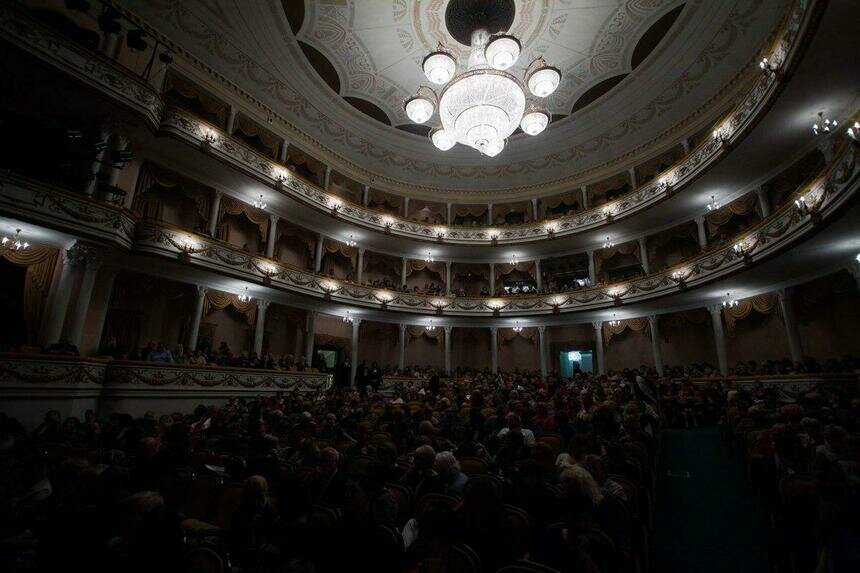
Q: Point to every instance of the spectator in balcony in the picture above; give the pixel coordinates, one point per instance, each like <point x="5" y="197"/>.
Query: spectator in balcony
<point x="113" y="349"/>
<point x="223" y="356"/>
<point x="160" y="354"/>
<point x="63" y="347"/>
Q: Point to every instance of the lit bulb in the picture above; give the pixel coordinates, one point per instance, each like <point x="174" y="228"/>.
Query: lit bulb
<point x="419" y="109"/>
<point x="544" y="81"/>
<point x="534" y="122"/>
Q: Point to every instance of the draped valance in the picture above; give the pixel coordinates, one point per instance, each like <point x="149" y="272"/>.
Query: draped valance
<point x="307" y="239"/>
<point x="476" y="269"/>
<point x="217" y="299"/>
<point x="473" y="210"/>
<point x="437" y="334"/>
<point x="40" y="263"/>
<point x="333" y="246"/>
<point x="570" y="199"/>
<point x="502" y="269"/>
<point x="176" y="83"/>
<point x="505" y="208"/>
<point x="249" y="128"/>
<point x="603" y="255"/>
<point x="386" y="264"/>
<point x="685" y="231"/>
<point x="381" y="198"/>
<point x="763" y="304"/>
<point x="507" y="335"/>
<point x="435" y="267"/>
<point x="436" y="208"/>
<point x="232" y="206"/>
<point x="154" y="177"/>
<point x="298" y="157"/>
<point x="740" y="206"/>
<point x="635" y="324"/>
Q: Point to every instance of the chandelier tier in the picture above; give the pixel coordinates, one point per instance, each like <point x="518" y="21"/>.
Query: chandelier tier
<point x="482" y="106"/>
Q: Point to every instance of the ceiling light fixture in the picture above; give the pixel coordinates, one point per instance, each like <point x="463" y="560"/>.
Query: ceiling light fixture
<point x="15" y="243"/>
<point x="729" y="302"/>
<point x="350" y="242"/>
<point x="514" y="260"/>
<point x="608" y="244"/>
<point x="517" y="328"/>
<point x="260" y="203"/>
<point x="713" y="205"/>
<point x="854" y="131"/>
<point x="430" y="326"/>
<point x="614" y="323"/>
<point x="482" y="106"/>
<point x="429" y="257"/>
<point x="347" y="318"/>
<point x="244" y="296"/>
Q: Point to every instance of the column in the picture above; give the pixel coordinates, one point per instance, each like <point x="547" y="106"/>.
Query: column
<point x="327" y="180"/>
<point x="196" y="317"/>
<point x="401" y="348"/>
<point x="56" y="313"/>
<point x="406" y="207"/>
<point x="282" y="152"/>
<point x="310" y="330"/>
<point x="231" y="120"/>
<point x="535" y="209"/>
<point x="365" y="195"/>
<point x="492" y="279"/>
<point x="133" y="175"/>
<point x="110" y="45"/>
<point x="538" y="275"/>
<point x="763" y="201"/>
<point x="632" y="172"/>
<point x="494" y="349"/>
<point x="854" y="269"/>
<point x="827" y="146"/>
<point x="273" y="236"/>
<point x="643" y="255"/>
<point x="120" y="144"/>
<point x="654" y="322"/>
<point x="318" y="254"/>
<point x="404" y="271"/>
<point x="359" y="271"/>
<point x="450" y="218"/>
<point x="448" y="331"/>
<point x="584" y="190"/>
<point x="490" y="214"/>
<point x="786" y="307"/>
<point x="703" y="234"/>
<point x="448" y="277"/>
<point x="716" y="311"/>
<point x="592" y="275"/>
<point x="353" y="367"/>
<point x="82" y="304"/>
<point x="95" y="169"/>
<point x="542" y="349"/>
<point x="102" y="305"/>
<point x="598" y="344"/>
<point x="214" y="208"/>
<point x="260" y="327"/>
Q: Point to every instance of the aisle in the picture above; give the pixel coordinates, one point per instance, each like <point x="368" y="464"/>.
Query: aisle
<point x="706" y="519"/>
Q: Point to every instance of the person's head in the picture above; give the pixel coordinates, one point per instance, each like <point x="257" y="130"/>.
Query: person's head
<point x="254" y="491"/>
<point x="594" y="465"/>
<point x="513" y="421"/>
<point x="579" y="489"/>
<point x="329" y="458"/>
<point x="425" y="459"/>
<point x="447" y="465"/>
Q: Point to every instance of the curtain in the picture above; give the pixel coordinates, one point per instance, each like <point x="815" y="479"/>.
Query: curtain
<point x="381" y="198"/>
<point x="152" y="176"/>
<point x="603" y="255"/>
<point x="507" y="335"/>
<point x="385" y="263"/>
<point x="332" y="246"/>
<point x="40" y="263"/>
<point x="231" y="206"/>
<point x="502" y="269"/>
<point x="570" y="198"/>
<point x="249" y="128"/>
<point x="439" y="209"/>
<point x="473" y="210"/>
<point x="635" y="324"/>
<point x="763" y="304"/>
<point x="188" y="90"/>
<point x="741" y="206"/>
<point x="463" y="269"/>
<point x="216" y="299"/>
<point x="304" y="237"/>
<point x="437" y="334"/>
<point x="435" y="267"/>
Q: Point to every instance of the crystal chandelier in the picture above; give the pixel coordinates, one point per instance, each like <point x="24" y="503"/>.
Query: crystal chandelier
<point x="614" y="323"/>
<point x="430" y="326"/>
<point x="713" y="205"/>
<point x="429" y="257"/>
<point x="15" y="243"/>
<point x="824" y="124"/>
<point x="608" y="244"/>
<point x="483" y="105"/>
<point x="514" y="260"/>
<point x="517" y="328"/>
<point x="729" y="302"/>
<point x="347" y="318"/>
<point x="350" y="242"/>
<point x="260" y="203"/>
<point x="244" y="297"/>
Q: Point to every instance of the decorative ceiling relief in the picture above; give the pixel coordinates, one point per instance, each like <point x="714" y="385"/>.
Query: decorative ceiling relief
<point x="638" y="75"/>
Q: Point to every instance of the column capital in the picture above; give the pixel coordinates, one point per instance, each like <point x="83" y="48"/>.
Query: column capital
<point x="202" y="290"/>
<point x="643" y="240"/>
<point x="448" y="330"/>
<point x="699" y="219"/>
<point x="715" y="309"/>
<point x="84" y="255"/>
<point x="262" y="304"/>
<point x="402" y="326"/>
<point x="598" y="326"/>
<point x="494" y="330"/>
<point x="652" y="318"/>
<point x="273" y="218"/>
<point x="356" y="322"/>
<point x="541" y="328"/>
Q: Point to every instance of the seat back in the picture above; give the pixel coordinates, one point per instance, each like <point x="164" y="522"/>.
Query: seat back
<point x="524" y="566"/>
<point x="521" y="525"/>
<point x="201" y="495"/>
<point x="229" y="500"/>
<point x="202" y="560"/>
<point x="431" y="498"/>
<point x="471" y="465"/>
<point x="462" y="559"/>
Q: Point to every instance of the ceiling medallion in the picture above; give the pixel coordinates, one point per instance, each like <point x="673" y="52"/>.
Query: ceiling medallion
<point x="482" y="106"/>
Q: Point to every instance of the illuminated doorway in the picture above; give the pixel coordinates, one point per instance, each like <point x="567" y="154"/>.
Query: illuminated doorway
<point x="573" y="361"/>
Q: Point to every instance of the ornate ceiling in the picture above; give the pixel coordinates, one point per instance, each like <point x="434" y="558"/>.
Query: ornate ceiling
<point x="638" y="75"/>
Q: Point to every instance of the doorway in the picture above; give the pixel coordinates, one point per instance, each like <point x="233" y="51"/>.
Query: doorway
<point x="576" y="360"/>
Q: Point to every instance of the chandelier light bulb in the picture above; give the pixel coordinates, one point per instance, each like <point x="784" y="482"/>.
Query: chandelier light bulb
<point x="614" y="323"/>
<point x="824" y="124"/>
<point x="439" y="67"/>
<point x="544" y="80"/>
<point x="260" y="203"/>
<point x="854" y="131"/>
<point x="419" y="109"/>
<point x="430" y="326"/>
<point x="348" y="318"/>
<point x="429" y="257"/>
<point x="713" y="205"/>
<point x="442" y="139"/>
<point x="534" y="122"/>
<point x="244" y="296"/>
<point x="15" y="243"/>
<point x="608" y="244"/>
<point x="517" y="327"/>
<point x="502" y="52"/>
<point x="350" y="242"/>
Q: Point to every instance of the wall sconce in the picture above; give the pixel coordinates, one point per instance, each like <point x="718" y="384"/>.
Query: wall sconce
<point x="550" y="229"/>
<point x="384" y="297"/>
<point x="281" y="176"/>
<point x="439" y="304"/>
<point x="607" y="214"/>
<point x="388" y="222"/>
<point x="720" y="136"/>
<point x="268" y="271"/>
<point x="328" y="288"/>
<point x="494" y="236"/>
<point x="335" y="205"/>
<point x="767" y="67"/>
<point x="440" y="233"/>
<point x="743" y="249"/>
<point x="680" y="277"/>
<point x="186" y="246"/>
<point x="209" y="138"/>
